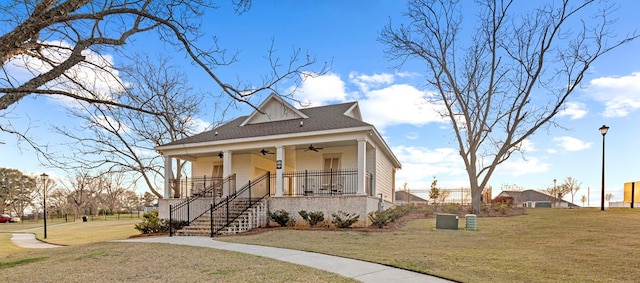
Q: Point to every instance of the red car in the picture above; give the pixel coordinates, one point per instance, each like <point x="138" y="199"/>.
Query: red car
<point x="5" y="218"/>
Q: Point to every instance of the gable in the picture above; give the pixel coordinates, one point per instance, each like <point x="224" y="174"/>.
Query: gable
<point x="354" y="112"/>
<point x="273" y="109"/>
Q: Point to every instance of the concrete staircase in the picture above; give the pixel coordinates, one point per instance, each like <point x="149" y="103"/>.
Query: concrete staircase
<point x="255" y="216"/>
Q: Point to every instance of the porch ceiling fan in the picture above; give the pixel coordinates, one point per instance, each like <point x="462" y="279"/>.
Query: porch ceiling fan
<point x="265" y="152"/>
<point x="313" y="148"/>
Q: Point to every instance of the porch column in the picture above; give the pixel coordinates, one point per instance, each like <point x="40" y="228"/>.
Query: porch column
<point x="167" y="176"/>
<point x="226" y="171"/>
<point x="279" y="169"/>
<point x="362" y="165"/>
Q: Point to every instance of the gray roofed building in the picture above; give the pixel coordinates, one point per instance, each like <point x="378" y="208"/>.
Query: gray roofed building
<point x="322" y="158"/>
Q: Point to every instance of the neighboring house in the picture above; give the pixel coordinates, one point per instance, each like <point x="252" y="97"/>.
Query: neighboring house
<point x="404" y="197"/>
<point x="315" y="159"/>
<point x="529" y="198"/>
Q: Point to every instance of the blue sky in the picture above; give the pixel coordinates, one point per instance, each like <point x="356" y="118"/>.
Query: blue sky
<point x="345" y="33"/>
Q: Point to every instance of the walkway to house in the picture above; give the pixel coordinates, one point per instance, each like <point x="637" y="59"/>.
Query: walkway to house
<point x="29" y="241"/>
<point x="360" y="270"/>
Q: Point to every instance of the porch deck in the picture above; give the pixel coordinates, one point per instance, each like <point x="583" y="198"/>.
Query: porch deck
<point x="295" y="183"/>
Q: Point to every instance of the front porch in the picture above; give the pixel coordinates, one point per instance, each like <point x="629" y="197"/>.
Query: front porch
<point x="294" y="184"/>
<point x="209" y="212"/>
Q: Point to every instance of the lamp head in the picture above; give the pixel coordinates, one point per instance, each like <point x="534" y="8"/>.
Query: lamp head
<point x="603" y="130"/>
<point x="44" y="176"/>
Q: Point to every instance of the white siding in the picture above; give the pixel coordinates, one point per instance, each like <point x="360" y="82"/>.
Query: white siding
<point x="274" y="111"/>
<point x="384" y="177"/>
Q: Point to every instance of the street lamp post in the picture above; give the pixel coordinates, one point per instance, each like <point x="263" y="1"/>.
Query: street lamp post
<point x="555" y="203"/>
<point x="44" y="178"/>
<point x="603" y="131"/>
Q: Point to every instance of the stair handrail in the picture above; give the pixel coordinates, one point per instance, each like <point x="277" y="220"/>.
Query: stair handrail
<point x="230" y="198"/>
<point x="186" y="204"/>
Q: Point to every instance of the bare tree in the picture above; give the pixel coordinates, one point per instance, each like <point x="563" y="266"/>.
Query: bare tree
<point x="572" y="185"/>
<point x="130" y="201"/>
<point x="557" y="192"/>
<point x="81" y="192"/>
<point x="444" y="194"/>
<point x="608" y="198"/>
<point x="508" y="77"/>
<point x="54" y="44"/>
<point x="511" y="187"/>
<point x="148" y="199"/>
<point x="583" y="199"/>
<point x="111" y="190"/>
<point x="123" y="140"/>
<point x="58" y="202"/>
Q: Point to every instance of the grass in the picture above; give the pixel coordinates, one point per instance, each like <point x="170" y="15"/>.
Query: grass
<point x="144" y="262"/>
<point x="547" y="245"/>
<point x="90" y="257"/>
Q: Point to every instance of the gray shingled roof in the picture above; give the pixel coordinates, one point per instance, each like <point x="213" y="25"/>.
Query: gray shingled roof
<point x="408" y="197"/>
<point x="321" y="118"/>
<point x="531" y="195"/>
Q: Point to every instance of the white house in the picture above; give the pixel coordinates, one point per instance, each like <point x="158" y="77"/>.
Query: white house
<point x="315" y="159"/>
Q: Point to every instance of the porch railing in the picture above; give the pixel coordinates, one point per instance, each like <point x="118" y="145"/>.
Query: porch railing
<point x="320" y="182"/>
<point x="201" y="186"/>
<point x="194" y="207"/>
<point x="225" y="212"/>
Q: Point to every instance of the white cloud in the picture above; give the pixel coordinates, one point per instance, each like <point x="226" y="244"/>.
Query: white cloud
<point x="527" y="146"/>
<point x="621" y="95"/>
<point x="381" y="102"/>
<point x="575" y="110"/>
<point x="95" y="77"/>
<point x="397" y="104"/>
<point x="365" y="82"/>
<point x="571" y="144"/>
<point x="412" y="136"/>
<point x="420" y="164"/>
<point x="198" y="125"/>
<point x="519" y="167"/>
<point x="319" y="90"/>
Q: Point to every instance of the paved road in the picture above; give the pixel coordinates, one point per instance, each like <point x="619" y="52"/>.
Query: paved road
<point x="356" y="269"/>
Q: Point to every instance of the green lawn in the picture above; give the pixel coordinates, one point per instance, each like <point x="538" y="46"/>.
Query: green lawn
<point x="546" y="245"/>
<point x="89" y="257"/>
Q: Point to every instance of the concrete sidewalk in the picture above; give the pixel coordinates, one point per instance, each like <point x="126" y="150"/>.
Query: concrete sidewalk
<point x="356" y="269"/>
<point x="29" y="241"/>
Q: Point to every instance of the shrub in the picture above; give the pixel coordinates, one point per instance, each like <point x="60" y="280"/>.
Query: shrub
<point x="427" y="210"/>
<point x="451" y="208"/>
<point x="151" y="223"/>
<point x="344" y="220"/>
<point x="280" y="216"/>
<point x="503" y="208"/>
<point x="176" y="225"/>
<point x="380" y="218"/>
<point x="503" y="199"/>
<point x="312" y="217"/>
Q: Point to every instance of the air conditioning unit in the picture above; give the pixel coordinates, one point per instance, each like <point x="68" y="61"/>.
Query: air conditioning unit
<point x="447" y="221"/>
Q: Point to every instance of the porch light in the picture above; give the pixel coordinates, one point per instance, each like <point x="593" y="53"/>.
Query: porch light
<point x="220" y="154"/>
<point x="301" y="123"/>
